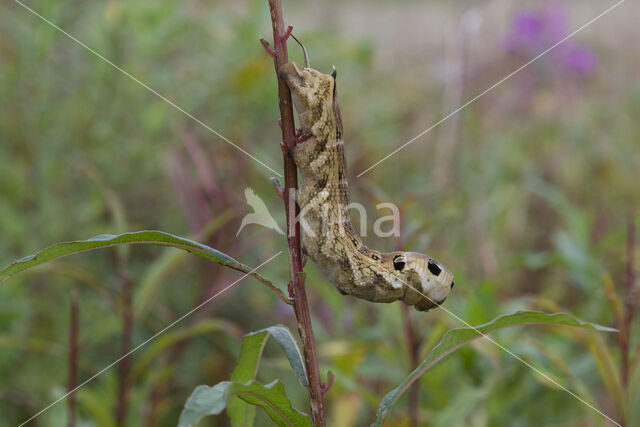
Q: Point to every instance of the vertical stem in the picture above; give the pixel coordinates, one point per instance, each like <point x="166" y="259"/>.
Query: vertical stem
<point x="297" y="289"/>
<point x="73" y="361"/>
<point x="127" y="342"/>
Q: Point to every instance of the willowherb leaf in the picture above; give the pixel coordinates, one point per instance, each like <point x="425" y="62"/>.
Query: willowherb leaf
<point x="158" y="238"/>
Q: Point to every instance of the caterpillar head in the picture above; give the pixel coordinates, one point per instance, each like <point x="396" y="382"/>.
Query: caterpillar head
<point x="314" y="96"/>
<point x="427" y="282"/>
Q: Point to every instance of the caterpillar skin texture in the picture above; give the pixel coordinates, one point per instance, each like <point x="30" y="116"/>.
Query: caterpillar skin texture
<point x="329" y="239"/>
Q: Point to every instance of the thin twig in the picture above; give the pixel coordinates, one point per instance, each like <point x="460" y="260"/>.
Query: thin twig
<point x="297" y="290"/>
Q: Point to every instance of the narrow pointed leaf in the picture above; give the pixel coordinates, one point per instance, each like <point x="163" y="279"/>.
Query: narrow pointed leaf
<point x="158" y="238"/>
<point x="456" y="338"/>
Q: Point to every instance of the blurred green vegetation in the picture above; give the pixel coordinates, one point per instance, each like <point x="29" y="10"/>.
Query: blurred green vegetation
<point x="523" y="195"/>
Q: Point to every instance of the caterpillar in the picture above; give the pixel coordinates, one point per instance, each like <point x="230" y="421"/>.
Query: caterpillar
<point x="329" y="238"/>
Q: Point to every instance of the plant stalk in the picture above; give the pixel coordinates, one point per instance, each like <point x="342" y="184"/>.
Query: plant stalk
<point x="297" y="290"/>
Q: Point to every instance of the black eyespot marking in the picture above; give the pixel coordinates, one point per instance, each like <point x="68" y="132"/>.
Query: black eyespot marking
<point x="399" y="262"/>
<point x="434" y="268"/>
<point x="375" y="257"/>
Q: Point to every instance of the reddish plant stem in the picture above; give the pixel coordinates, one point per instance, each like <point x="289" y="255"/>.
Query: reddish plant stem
<point x="73" y="360"/>
<point x="297" y="289"/>
<point x="124" y="367"/>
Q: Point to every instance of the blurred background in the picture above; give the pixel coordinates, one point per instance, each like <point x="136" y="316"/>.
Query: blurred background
<point x="527" y="195"/>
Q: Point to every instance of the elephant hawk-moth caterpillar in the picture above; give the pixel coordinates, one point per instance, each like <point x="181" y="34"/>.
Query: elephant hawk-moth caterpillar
<point x="329" y="238"/>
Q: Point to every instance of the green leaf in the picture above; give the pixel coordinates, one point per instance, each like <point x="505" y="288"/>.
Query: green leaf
<point x="240" y="412"/>
<point x="456" y="338"/>
<point x="288" y="343"/>
<point x="245" y="393"/>
<point x="158" y="238"/>
<point x="250" y="355"/>
<point x="272" y="398"/>
<point x="203" y="401"/>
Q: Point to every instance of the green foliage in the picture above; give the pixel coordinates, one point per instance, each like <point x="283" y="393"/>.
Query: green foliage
<point x="454" y="339"/>
<point x="283" y="336"/>
<point x="271" y="397"/>
<point x="243" y="393"/>
<point x="203" y="401"/>
<point x="158" y="238"/>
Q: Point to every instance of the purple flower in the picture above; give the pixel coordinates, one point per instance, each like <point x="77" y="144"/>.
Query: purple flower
<point x="525" y="30"/>
<point x="532" y="31"/>
<point x="579" y="59"/>
<point x="535" y="30"/>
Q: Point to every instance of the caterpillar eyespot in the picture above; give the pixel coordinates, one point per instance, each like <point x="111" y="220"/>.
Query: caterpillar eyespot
<point x="434" y="268"/>
<point x="399" y="262"/>
<point x="411" y="277"/>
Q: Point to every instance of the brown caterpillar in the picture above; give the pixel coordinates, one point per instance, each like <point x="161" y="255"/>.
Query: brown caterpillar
<point x="329" y="238"/>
